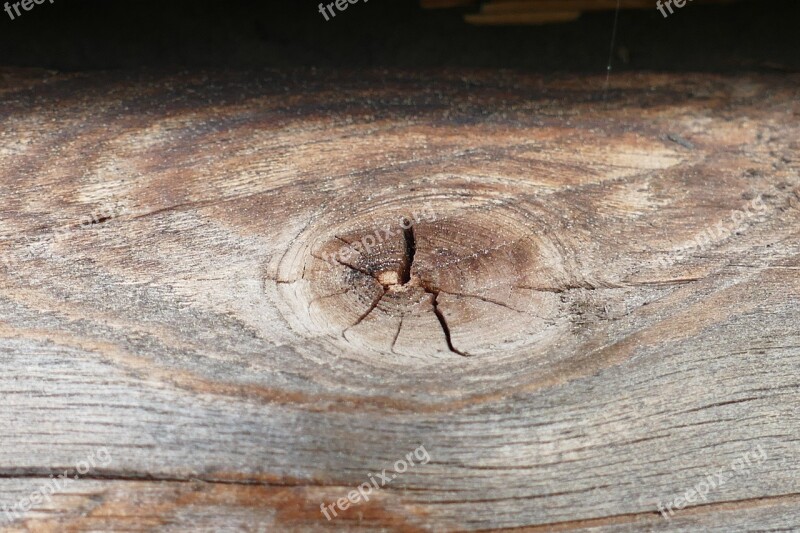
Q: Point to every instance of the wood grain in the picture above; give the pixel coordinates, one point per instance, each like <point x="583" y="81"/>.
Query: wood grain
<point x="600" y="310"/>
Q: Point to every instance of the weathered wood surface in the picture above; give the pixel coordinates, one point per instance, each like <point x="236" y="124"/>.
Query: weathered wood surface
<point x="592" y="308"/>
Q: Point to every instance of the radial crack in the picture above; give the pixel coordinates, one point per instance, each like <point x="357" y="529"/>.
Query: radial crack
<point x="443" y="323"/>
<point x="397" y="335"/>
<point x="484" y="299"/>
<point x="352" y="267"/>
<point x="367" y="312"/>
<point x="410" y="251"/>
<point x="350" y="244"/>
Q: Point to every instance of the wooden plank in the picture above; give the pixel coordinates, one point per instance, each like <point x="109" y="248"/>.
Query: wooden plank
<point x="521" y="12"/>
<point x="527" y="17"/>
<point x="105" y="505"/>
<point x="252" y="292"/>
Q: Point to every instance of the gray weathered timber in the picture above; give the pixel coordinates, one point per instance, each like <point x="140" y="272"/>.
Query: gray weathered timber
<point x="253" y="290"/>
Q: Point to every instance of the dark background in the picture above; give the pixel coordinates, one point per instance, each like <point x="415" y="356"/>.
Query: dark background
<point x="756" y="35"/>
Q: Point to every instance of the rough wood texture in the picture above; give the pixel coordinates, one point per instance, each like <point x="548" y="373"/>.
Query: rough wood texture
<point x="580" y="304"/>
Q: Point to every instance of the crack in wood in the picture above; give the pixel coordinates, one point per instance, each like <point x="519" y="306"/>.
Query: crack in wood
<point x="366" y="313"/>
<point x="566" y="288"/>
<point x="403" y="278"/>
<point x="443" y="323"/>
<point x="397" y="335"/>
<point x="410" y="251"/>
<point x="484" y="299"/>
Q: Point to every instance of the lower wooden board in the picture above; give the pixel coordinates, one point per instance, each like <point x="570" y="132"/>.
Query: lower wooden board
<point x="229" y="300"/>
<point x="95" y="505"/>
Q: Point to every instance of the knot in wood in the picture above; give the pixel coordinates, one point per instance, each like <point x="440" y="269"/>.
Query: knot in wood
<point x="429" y="286"/>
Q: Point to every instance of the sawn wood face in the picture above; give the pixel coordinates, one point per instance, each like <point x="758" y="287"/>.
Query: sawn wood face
<point x="255" y="289"/>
